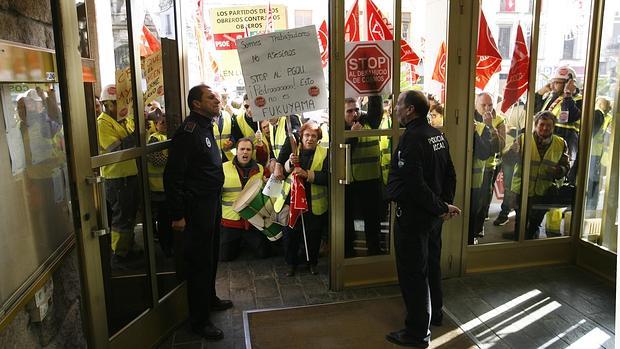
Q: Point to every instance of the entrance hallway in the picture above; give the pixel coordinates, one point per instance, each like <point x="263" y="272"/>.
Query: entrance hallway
<point x="544" y="307"/>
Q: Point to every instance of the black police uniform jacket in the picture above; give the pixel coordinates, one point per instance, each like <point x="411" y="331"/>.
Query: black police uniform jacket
<point x="194" y="167"/>
<point x="422" y="178"/>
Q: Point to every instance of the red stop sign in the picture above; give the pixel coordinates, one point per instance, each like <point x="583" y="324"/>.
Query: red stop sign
<point x="368" y="68"/>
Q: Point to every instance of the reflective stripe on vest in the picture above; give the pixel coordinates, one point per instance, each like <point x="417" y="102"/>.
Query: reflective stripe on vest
<point x="385" y="146"/>
<point x="318" y="193"/>
<point x="539" y="168"/>
<point x="232" y="188"/>
<point x="478" y="165"/>
<point x="365" y="158"/>
<point x="110" y="134"/>
<point x="156" y="173"/>
<point x="575" y="126"/>
<point x="224" y="135"/>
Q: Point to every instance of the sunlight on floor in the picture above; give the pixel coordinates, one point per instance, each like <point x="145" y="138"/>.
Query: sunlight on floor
<point x="499" y="310"/>
<point x="562" y="335"/>
<point x="593" y="339"/>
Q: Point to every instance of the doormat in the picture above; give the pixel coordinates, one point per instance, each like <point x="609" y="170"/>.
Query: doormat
<point x="354" y="324"/>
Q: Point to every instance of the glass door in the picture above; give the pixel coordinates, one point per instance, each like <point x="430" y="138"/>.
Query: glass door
<point x="130" y="257"/>
<point x="386" y="47"/>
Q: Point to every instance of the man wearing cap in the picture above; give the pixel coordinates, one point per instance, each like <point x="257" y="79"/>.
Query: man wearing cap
<point x="562" y="98"/>
<point x="193" y="180"/>
<point x="116" y="133"/>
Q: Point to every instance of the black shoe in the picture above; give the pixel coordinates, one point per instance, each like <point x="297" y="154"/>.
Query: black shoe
<point x="209" y="332"/>
<point x="313" y="269"/>
<point x="291" y="271"/>
<point x="221" y="304"/>
<point x="403" y="338"/>
<point x="500" y="221"/>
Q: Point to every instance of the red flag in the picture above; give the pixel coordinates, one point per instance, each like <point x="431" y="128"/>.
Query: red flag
<point x="518" y="75"/>
<point x="299" y="204"/>
<point x="351" y="26"/>
<point x="439" y="73"/>
<point x="322" y="34"/>
<point x="379" y="28"/>
<point x="407" y="55"/>
<point x="149" y="42"/>
<point x="489" y="60"/>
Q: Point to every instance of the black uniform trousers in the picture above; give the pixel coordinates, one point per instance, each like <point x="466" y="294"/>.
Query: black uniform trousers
<point x="418" y="254"/>
<point x="201" y="246"/>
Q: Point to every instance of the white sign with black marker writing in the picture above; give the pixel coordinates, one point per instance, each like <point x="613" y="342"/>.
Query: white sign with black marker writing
<point x="283" y="72"/>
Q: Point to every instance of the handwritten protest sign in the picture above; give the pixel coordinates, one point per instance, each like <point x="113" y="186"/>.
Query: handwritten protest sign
<point x="283" y="72"/>
<point x="154" y="77"/>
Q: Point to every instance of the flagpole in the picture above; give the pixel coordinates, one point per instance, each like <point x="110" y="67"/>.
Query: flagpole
<point x="303" y="230"/>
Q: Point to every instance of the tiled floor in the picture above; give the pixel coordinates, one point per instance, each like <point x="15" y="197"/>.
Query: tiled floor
<point x="550" y="307"/>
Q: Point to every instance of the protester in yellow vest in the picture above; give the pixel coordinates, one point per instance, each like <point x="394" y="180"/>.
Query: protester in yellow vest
<point x="235" y="230"/>
<point x="483" y="148"/>
<point x="549" y="163"/>
<point x="485" y="113"/>
<point x="600" y="139"/>
<point x="156" y="163"/>
<point x="385" y="144"/>
<point x="562" y="98"/>
<point x="364" y="192"/>
<point x="311" y="164"/>
<point x="222" y="130"/>
<point x="116" y="133"/>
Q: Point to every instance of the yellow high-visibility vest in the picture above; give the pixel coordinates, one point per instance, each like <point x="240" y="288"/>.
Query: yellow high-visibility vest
<point x="539" y="168"/>
<point x="223" y="135"/>
<point x="366" y="158"/>
<point x="324" y="135"/>
<point x="385" y="146"/>
<point x="156" y="173"/>
<point x="110" y="133"/>
<point x="599" y="138"/>
<point x="232" y="188"/>
<point x="318" y="193"/>
<point x="277" y="140"/>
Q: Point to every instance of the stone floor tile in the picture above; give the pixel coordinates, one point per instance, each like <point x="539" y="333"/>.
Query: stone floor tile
<point x="268" y="303"/>
<point x="266" y="288"/>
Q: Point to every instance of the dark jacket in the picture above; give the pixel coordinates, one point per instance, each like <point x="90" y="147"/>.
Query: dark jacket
<point x="194" y="167"/>
<point x="422" y="175"/>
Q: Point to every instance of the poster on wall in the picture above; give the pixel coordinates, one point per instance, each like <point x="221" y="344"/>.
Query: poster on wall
<point x="229" y="24"/>
<point x="283" y="73"/>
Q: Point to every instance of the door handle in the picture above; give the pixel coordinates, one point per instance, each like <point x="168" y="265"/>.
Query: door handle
<point x="98" y="184"/>
<point x="347" y="164"/>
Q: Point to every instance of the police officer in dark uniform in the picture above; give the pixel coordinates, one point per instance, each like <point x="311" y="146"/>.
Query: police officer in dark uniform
<point x="422" y="182"/>
<point x="193" y="181"/>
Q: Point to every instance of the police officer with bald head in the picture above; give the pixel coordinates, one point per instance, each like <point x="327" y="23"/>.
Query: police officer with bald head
<point x="422" y="182"/>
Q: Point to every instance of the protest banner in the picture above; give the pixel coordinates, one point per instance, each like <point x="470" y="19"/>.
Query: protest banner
<point x="283" y="73"/>
<point x="232" y="23"/>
